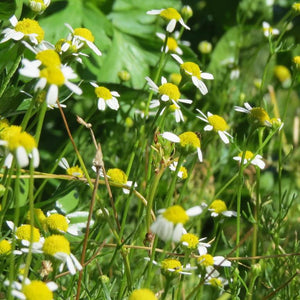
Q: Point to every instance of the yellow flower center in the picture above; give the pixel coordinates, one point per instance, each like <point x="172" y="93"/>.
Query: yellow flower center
<point x="206" y="260"/>
<point x="216" y="282"/>
<point x="170" y="13"/>
<point x="191" y="69"/>
<point x="248" y="155"/>
<point x="85" y="33"/>
<point x="37" y="290"/>
<point x="117" y="176"/>
<point x="144" y="294"/>
<point x="189" y="139"/>
<point x="72" y="48"/>
<point x="11" y="135"/>
<point x="38" y="213"/>
<point x="296" y="61"/>
<point x="75" y="171"/>
<point x="103" y="92"/>
<point x="218" y="123"/>
<point x="184" y="172"/>
<point x="170" y="90"/>
<point x="28" y="26"/>
<point x="49" y="58"/>
<point x="296" y="7"/>
<point x="56" y="243"/>
<point x="172" y="44"/>
<point x="53" y="75"/>
<point x="27" y="141"/>
<point x="172" y="264"/>
<point x="191" y="239"/>
<point x="260" y="116"/>
<point x="173" y="107"/>
<point x="57" y="222"/>
<point x="5" y="247"/>
<point x="3" y="124"/>
<point x="176" y="214"/>
<point x="23" y="233"/>
<point x="282" y="73"/>
<point x="218" y="206"/>
<point x="175" y="78"/>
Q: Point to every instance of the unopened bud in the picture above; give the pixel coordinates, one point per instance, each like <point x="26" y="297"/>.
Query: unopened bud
<point x="124" y="75"/>
<point x="186" y="12"/>
<point x="205" y="47"/>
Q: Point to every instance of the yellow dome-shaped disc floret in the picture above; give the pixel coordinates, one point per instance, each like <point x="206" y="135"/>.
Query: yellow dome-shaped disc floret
<point x="218" y="206"/>
<point x="85" y="33"/>
<point x="39" y="214"/>
<point x="53" y="75"/>
<point x="116" y="175"/>
<point x="189" y="240"/>
<point x="171" y="267"/>
<point x="37" y="290"/>
<point x="189" y="140"/>
<point x="5" y="247"/>
<point x="24" y="231"/>
<point x="190" y="69"/>
<point x="142" y="294"/>
<point x="206" y="260"/>
<point x="57" y="222"/>
<point x="56" y="243"/>
<point x="169" y="89"/>
<point x="49" y="58"/>
<point x="218" y="123"/>
<point x="259" y="116"/>
<point x="170" y="13"/>
<point x="216" y="282"/>
<point x="29" y="26"/>
<point x="103" y="92"/>
<point x="176" y="214"/>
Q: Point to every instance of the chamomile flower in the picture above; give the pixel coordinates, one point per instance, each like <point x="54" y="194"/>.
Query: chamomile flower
<point x="118" y="176"/>
<point x="208" y="261"/>
<point x="73" y="171"/>
<point x="188" y="141"/>
<point x="268" y="30"/>
<point x="214" y="279"/>
<point x="51" y="77"/>
<point x="59" y="247"/>
<point x="80" y="37"/>
<point x="296" y="60"/>
<point x="217" y="124"/>
<point x="167" y="91"/>
<point x="296" y="7"/>
<point x="171" y="15"/>
<point x="191" y="71"/>
<point x="39" y="6"/>
<point x="283" y="74"/>
<point x="169" y="224"/>
<point x="20" y="145"/>
<point x="249" y="157"/>
<point x="5" y="247"/>
<point x="192" y="242"/>
<point x="218" y="207"/>
<point x="33" y="289"/>
<point x="171" y="267"/>
<point x="182" y="173"/>
<point x="106" y="97"/>
<point x="172" y="45"/>
<point x="142" y="294"/>
<point x="26" y="29"/>
<point x="257" y="115"/>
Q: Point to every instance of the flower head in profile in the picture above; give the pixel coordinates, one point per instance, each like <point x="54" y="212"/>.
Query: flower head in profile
<point x="80" y="38"/>
<point x="171" y="15"/>
<point x="59" y="247"/>
<point x="218" y="207"/>
<point x="51" y="77"/>
<point x="33" y="289"/>
<point x="296" y="60"/>
<point x="73" y="171"/>
<point x="283" y="74"/>
<point x="5" y="247"/>
<point x="191" y="71"/>
<point x="249" y="157"/>
<point x="182" y="173"/>
<point x="27" y="29"/>
<point x="215" y="123"/>
<point x="106" y="97"/>
<point x="296" y="7"/>
<point x="188" y="141"/>
<point x="208" y="262"/>
<point x="191" y="242"/>
<point x="172" y="44"/>
<point x="39" y="6"/>
<point x="169" y="224"/>
<point x="257" y="115"/>
<point x="268" y="30"/>
<point x="142" y="294"/>
<point x="20" y="145"/>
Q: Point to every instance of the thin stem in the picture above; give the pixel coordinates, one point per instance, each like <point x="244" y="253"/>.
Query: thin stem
<point x="43" y="109"/>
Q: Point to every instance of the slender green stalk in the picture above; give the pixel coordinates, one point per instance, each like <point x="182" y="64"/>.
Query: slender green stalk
<point x="43" y="109"/>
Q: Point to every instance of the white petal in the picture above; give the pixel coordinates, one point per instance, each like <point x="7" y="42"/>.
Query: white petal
<point x="22" y="157"/>
<point x="69" y="27"/>
<point x="247" y="105"/>
<point x="8" y="160"/>
<point x="52" y="286"/>
<point x="207" y="76"/>
<point x="152" y="84"/>
<point x="188" y="101"/>
<point x="113" y="104"/>
<point x="183" y="24"/>
<point x="177" y="58"/>
<point x="94" y="84"/>
<point x="200" y="156"/>
<point x="170" y="137"/>
<point x="163" y="80"/>
<point x="35" y="157"/>
<point x="101" y="104"/>
<point x="223" y="137"/>
<point x="13" y="20"/>
<point x="194" y="211"/>
<point x="52" y="95"/>
<point x="154" y="11"/>
<point x="171" y="25"/>
<point x="76" y="262"/>
<point x="11" y="225"/>
<point x="63" y="163"/>
<point x="115" y="94"/>
<point x="70" y="265"/>
<point x="208" y="128"/>
<point x="221" y="261"/>
<point x="94" y="48"/>
<point x="177" y="233"/>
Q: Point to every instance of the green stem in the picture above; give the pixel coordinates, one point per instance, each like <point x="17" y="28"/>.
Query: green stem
<point x="43" y="109"/>
<point x="167" y="287"/>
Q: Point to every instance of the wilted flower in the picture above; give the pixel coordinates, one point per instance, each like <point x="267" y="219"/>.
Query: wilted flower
<point x="39" y="6"/>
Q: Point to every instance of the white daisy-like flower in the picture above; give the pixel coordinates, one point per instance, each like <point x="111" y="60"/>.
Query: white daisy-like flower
<point x="171" y="15"/>
<point x="192" y="71"/>
<point x="249" y="157"/>
<point x="20" y="145"/>
<point x="216" y="281"/>
<point x="32" y="289"/>
<point x="268" y="30"/>
<point x="167" y="91"/>
<point x="188" y="141"/>
<point x="192" y="242"/>
<point x="118" y="176"/>
<point x="256" y="114"/>
<point x="74" y="171"/>
<point x="25" y="29"/>
<point x="218" y="207"/>
<point x="208" y="261"/>
<point x="39" y="6"/>
<point x="59" y="247"/>
<point x="173" y="108"/>
<point x="106" y="97"/>
<point x="215" y="123"/>
<point x="79" y="38"/>
<point x="51" y="77"/>
<point x="171" y="267"/>
<point x="169" y="224"/>
<point x="172" y="45"/>
<point x="182" y="173"/>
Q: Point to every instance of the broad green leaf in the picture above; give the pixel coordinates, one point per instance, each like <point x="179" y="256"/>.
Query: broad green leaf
<point x="7" y="9"/>
<point x="23" y="195"/>
<point x="69" y="202"/>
